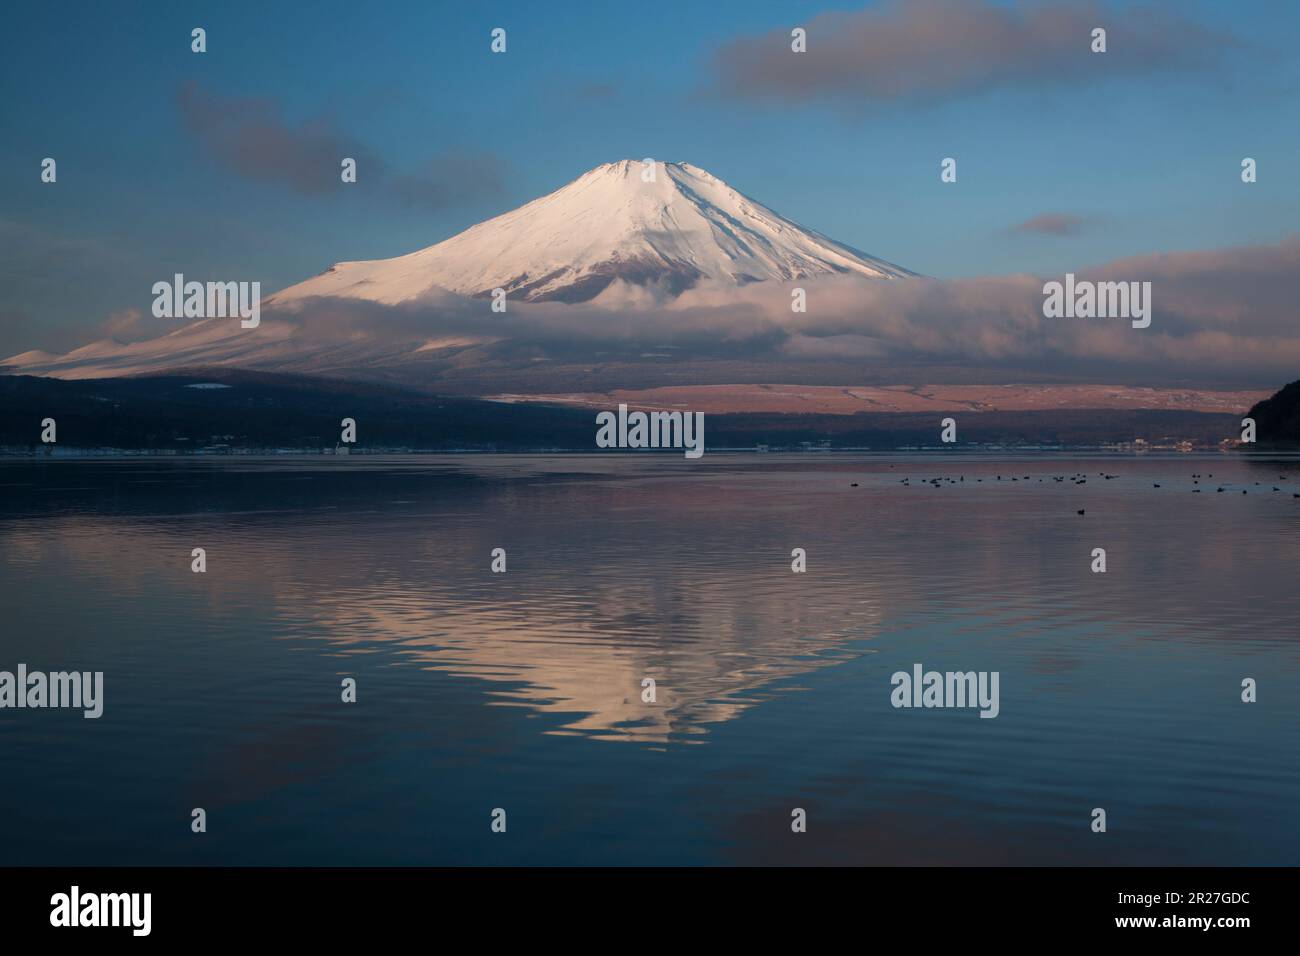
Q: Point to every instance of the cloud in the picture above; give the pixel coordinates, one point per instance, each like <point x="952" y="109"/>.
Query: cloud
<point x="248" y="136"/>
<point x="135" y="325"/>
<point x="1232" y="311"/>
<point x="455" y="176"/>
<point x="1051" y="224"/>
<point x="1217" y="316"/>
<point x="122" y="323"/>
<point x="596" y="91"/>
<point x="930" y="50"/>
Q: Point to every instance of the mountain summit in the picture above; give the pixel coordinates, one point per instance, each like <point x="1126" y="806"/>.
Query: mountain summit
<point x="683" y="226"/>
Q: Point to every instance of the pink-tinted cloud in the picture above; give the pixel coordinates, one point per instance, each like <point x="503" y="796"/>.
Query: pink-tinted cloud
<point x="1233" y="310"/>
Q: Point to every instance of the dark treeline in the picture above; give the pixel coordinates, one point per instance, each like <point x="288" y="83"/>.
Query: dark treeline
<point x="1278" y="418"/>
<point x="262" y="411"/>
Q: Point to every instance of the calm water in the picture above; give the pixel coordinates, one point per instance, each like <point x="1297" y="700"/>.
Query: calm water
<point x="523" y="690"/>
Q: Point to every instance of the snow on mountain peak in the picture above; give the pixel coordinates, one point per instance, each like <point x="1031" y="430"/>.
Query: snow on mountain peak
<point x="668" y="230"/>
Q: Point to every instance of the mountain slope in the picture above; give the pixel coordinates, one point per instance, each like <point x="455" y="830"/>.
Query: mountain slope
<point x="609" y="224"/>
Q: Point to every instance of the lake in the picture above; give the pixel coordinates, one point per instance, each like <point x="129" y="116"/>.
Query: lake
<point x="523" y="690"/>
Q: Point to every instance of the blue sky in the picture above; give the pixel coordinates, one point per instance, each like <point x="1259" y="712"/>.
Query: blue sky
<point x="1149" y="158"/>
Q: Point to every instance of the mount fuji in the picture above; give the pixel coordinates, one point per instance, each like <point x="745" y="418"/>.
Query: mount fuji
<point x="657" y="229"/>
<point x="670" y="225"/>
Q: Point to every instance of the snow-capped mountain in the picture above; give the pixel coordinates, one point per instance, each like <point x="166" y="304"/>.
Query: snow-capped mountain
<point x="616" y="224"/>
<point x="681" y="226"/>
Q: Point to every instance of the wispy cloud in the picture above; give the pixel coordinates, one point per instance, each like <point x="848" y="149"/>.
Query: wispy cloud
<point x="135" y="325"/>
<point x="927" y="50"/>
<point x="1051" y="224"/>
<point x="248" y="136"/>
<point x="453" y="177"/>
<point x="596" y="91"/>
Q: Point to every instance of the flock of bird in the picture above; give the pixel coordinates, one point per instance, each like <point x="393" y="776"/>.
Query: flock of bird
<point x="1078" y="478"/>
